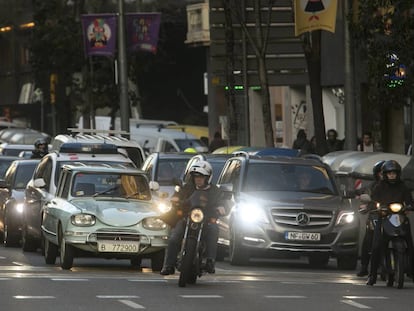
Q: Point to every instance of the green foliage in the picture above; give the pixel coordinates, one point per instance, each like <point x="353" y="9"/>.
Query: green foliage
<point x="383" y="28"/>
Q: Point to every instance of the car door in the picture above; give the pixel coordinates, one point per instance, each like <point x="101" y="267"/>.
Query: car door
<point x="5" y="192"/>
<point x="36" y="196"/>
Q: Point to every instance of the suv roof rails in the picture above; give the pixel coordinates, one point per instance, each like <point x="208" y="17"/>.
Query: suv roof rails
<point x="241" y="153"/>
<point x="74" y="131"/>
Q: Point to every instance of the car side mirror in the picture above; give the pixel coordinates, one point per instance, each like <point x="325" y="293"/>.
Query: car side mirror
<point x="3" y="184"/>
<point x="226" y="187"/>
<point x="154" y="186"/>
<point x="39" y="183"/>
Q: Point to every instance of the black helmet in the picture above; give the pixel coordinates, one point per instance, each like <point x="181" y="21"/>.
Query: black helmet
<point x="40" y="141"/>
<point x="377" y="168"/>
<point x="391" y="166"/>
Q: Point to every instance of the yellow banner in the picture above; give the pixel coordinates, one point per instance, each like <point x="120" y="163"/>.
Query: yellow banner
<point x="315" y="14"/>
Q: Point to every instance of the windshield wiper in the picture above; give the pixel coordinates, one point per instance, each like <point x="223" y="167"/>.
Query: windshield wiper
<point x="106" y="191"/>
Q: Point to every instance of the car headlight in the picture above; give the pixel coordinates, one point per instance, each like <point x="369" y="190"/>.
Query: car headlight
<point x="163" y="206"/>
<point x="197" y="215"/>
<point x="345" y="218"/>
<point x="395" y="207"/>
<point x="83" y="220"/>
<point x="19" y="207"/>
<point x="153" y="223"/>
<point x="251" y="213"/>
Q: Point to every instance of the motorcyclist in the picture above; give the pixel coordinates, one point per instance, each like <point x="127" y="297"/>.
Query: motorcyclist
<point x="390" y="189"/>
<point x="201" y="175"/>
<point x="369" y="230"/>
<point x="41" y="149"/>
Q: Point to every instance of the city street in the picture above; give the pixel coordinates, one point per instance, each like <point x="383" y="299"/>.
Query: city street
<point x="26" y="283"/>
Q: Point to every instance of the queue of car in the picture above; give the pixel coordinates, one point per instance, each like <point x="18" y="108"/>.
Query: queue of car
<point x="89" y="196"/>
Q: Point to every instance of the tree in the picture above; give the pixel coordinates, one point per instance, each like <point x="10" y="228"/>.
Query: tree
<point x="384" y="32"/>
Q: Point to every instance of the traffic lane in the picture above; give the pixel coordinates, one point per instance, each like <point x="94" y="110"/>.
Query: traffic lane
<point x="153" y="292"/>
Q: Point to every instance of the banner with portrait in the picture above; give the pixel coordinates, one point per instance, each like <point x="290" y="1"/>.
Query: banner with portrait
<point x="142" y="31"/>
<point x="99" y="34"/>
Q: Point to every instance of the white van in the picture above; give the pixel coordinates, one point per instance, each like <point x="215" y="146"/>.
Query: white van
<point x="160" y="139"/>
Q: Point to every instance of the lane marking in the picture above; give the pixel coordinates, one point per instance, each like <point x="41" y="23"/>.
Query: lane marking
<point x="70" y="280"/>
<point x="34" y="297"/>
<point x="365" y="297"/>
<point x="355" y="304"/>
<point x="287" y="296"/>
<point x="18" y="263"/>
<point x="131" y="304"/>
<point x="116" y="296"/>
<point x="201" y="296"/>
<point x="153" y="280"/>
<point x="295" y="283"/>
<point x="5" y="279"/>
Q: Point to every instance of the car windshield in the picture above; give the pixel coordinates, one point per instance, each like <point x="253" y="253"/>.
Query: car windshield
<point x="23" y="175"/>
<point x="62" y="163"/>
<point x="288" y="177"/>
<point x="168" y="169"/>
<point x="114" y="185"/>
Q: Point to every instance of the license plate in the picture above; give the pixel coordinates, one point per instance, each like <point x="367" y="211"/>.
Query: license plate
<point x="118" y="246"/>
<point x="303" y="236"/>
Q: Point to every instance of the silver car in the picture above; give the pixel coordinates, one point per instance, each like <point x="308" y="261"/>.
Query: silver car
<point x="104" y="211"/>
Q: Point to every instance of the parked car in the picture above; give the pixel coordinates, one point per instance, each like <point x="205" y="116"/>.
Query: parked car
<point x="103" y="211"/>
<point x="41" y="188"/>
<point x="274" y="215"/>
<point x="11" y="199"/>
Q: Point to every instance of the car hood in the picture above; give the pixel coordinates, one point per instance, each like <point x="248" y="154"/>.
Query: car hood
<point x="116" y="212"/>
<point x="294" y="199"/>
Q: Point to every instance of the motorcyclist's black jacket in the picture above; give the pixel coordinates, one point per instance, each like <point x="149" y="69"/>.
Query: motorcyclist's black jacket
<point x="386" y="193"/>
<point x="213" y="199"/>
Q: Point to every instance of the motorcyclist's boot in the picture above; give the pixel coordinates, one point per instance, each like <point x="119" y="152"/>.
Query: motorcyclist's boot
<point x="167" y="270"/>
<point x="210" y="266"/>
<point x="363" y="271"/>
<point x="372" y="279"/>
<point x="390" y="281"/>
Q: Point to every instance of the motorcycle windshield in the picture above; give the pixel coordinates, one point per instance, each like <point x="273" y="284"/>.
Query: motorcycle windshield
<point x="198" y="199"/>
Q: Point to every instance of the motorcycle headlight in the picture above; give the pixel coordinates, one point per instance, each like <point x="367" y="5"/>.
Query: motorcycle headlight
<point x="345" y="218"/>
<point x="19" y="207"/>
<point x="197" y="215"/>
<point x="83" y="220"/>
<point x="251" y="213"/>
<point x="153" y="223"/>
<point x="396" y="207"/>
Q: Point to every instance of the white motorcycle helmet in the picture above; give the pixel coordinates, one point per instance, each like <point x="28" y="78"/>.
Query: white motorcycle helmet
<point x="203" y="168"/>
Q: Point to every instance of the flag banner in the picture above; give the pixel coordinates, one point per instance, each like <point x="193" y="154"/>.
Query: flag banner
<point x="315" y="14"/>
<point x="142" y="31"/>
<point x="99" y="34"/>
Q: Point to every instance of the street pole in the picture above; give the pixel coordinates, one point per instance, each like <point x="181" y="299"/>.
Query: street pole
<point x="350" y="107"/>
<point x="123" y="69"/>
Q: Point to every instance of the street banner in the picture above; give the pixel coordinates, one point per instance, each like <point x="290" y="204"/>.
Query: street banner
<point x="142" y="31"/>
<point x="99" y="34"/>
<point x="315" y="14"/>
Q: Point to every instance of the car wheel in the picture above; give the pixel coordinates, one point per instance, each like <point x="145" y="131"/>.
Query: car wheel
<point x="51" y="251"/>
<point x="347" y="262"/>
<point x="238" y="255"/>
<point x="136" y="262"/>
<point x="67" y="253"/>
<point x="157" y="260"/>
<point x="318" y="260"/>
<point x="28" y="243"/>
<point x="9" y="239"/>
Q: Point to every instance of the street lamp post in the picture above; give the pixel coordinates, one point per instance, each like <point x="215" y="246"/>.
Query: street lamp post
<point x="122" y="69"/>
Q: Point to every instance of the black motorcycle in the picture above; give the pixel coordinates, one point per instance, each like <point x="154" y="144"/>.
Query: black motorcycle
<point x="190" y="259"/>
<point x="395" y="229"/>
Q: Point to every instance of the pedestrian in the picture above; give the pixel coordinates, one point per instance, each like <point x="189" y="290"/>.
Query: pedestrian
<point x="332" y="141"/>
<point x="367" y="144"/>
<point x="217" y="142"/>
<point x="302" y="143"/>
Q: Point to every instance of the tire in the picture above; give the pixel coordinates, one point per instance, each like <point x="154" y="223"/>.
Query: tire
<point x="67" y="253"/>
<point x="238" y="255"/>
<point x="9" y="240"/>
<point x="187" y="263"/>
<point x="318" y="260"/>
<point x="347" y="262"/>
<point x="399" y="258"/>
<point x="51" y="252"/>
<point x="136" y="262"/>
<point x="157" y="260"/>
<point x="29" y="244"/>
